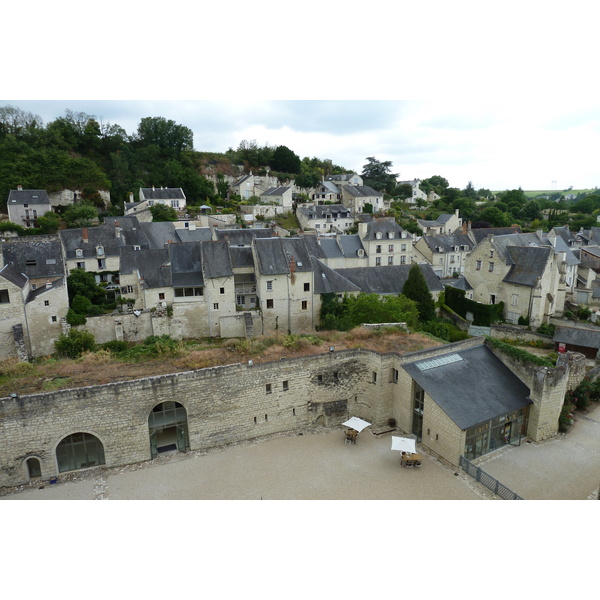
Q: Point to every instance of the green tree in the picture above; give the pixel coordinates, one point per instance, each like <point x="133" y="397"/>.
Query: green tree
<point x="372" y="308"/>
<point x="162" y="212"/>
<point x="285" y="160"/>
<point x="81" y="214"/>
<point x="75" y="343"/>
<point x="437" y="184"/>
<point x="167" y="135"/>
<point x="49" y="222"/>
<point x="415" y="288"/>
<point x="83" y="283"/>
<point x="377" y="175"/>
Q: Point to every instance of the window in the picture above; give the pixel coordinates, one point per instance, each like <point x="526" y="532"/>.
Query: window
<point x="478" y="265"/>
<point x="222" y="290"/>
<point x="390" y="235"/>
<point x="269" y="389"/>
<point x="378" y="235"/>
<point x="101" y="263"/>
<point x="34" y="286"/>
<point x="286" y="386"/>
<point x="374" y="376"/>
<point x="30" y="262"/>
<point x="128" y="289"/>
<point x="378" y="249"/>
<point x="46" y="302"/>
<point x="491" y="267"/>
<point x="403" y="260"/>
<point x="320" y="379"/>
<point x="390" y="260"/>
<point x="161" y="296"/>
<point x="181" y="292"/>
<point x="491" y="254"/>
<point x="4" y="297"/>
<point x="54" y="319"/>
<point x="269" y="286"/>
<point x="492" y="298"/>
<point x="515" y="300"/>
<point x="99" y="250"/>
<point x="79" y="253"/>
<point x="216" y="306"/>
<point x="304" y="304"/>
<point x="269" y="303"/>
<point x="307" y="287"/>
<point x="336" y="376"/>
<point x="50" y="261"/>
<point x="241" y="300"/>
<point x="395" y="375"/>
<point x="81" y="265"/>
<point x="391" y="248"/>
<point x="403" y="247"/>
<point x="378" y="262"/>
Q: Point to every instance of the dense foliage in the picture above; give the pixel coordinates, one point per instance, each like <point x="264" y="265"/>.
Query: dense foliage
<point x="483" y="314"/>
<point x="416" y="289"/>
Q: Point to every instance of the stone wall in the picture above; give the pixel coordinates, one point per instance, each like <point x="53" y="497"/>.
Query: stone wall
<point x="514" y="332"/>
<point x="230" y="404"/>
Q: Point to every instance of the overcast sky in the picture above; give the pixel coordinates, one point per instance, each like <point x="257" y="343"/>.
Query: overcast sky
<point x="502" y="95"/>
<point x="496" y="145"/>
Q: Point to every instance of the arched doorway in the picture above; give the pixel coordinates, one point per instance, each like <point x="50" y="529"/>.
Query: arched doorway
<point x="167" y="425"/>
<point x="34" y="469"/>
<point x="79" y="451"/>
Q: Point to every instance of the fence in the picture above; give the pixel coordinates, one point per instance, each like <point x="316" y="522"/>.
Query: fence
<point x="490" y="482"/>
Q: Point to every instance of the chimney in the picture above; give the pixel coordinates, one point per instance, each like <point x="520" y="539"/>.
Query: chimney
<point x="19" y="188"/>
<point x="117" y="230"/>
<point x="84" y="235"/>
<point x="48" y="284"/>
<point x="130" y="196"/>
<point x="152" y="188"/>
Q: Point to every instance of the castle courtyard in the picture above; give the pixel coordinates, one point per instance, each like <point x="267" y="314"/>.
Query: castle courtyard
<point x="319" y="465"/>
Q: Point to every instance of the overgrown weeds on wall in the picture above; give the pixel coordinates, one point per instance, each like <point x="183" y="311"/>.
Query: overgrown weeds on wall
<point x="519" y="354"/>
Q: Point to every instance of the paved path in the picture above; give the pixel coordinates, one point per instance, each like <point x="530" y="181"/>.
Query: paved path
<point x="320" y="466"/>
<point x="316" y="466"/>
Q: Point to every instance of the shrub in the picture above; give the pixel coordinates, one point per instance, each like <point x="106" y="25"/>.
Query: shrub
<point x="75" y="343"/>
<point x="547" y="329"/>
<point x="565" y="419"/>
<point x="584" y="313"/>
<point x="523" y="321"/>
<point x="115" y="346"/>
<point x="74" y="319"/>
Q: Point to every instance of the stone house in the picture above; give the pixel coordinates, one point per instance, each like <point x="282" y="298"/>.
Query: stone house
<point x="97" y="249"/>
<point x="343" y="179"/>
<point x="385" y="242"/>
<point x="325" y="219"/>
<point x="355" y="197"/>
<point x="445" y="253"/>
<point x="435" y="395"/>
<point x="326" y="191"/>
<point x="253" y="185"/>
<point x="281" y="195"/>
<point x="444" y="224"/>
<point x="173" y="197"/>
<point x="338" y="252"/>
<point x="529" y="280"/>
<point x="417" y="193"/>
<point x="25" y="206"/>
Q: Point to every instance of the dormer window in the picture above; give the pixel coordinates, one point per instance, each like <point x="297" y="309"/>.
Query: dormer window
<point x="99" y="250"/>
<point x="390" y="235"/>
<point x="79" y="253"/>
<point x="378" y="235"/>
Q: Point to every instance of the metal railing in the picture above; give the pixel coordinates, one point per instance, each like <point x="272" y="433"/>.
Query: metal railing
<point x="490" y="482"/>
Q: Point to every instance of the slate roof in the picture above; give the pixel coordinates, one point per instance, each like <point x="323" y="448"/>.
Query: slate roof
<point x="351" y="244"/>
<point x="271" y="257"/>
<point x="240" y="257"/>
<point x="243" y="237"/>
<point x="163" y="193"/>
<point x="460" y="283"/>
<point x="13" y="276"/>
<point x="328" y="281"/>
<point x="33" y="294"/>
<point x="330" y="248"/>
<point x="296" y="248"/>
<point x="389" y="279"/>
<point x="153" y="265"/>
<point x="28" y="197"/>
<point x="160" y="233"/>
<point x="448" y="241"/>
<point x="275" y="191"/>
<point x="472" y="390"/>
<point x="200" y="234"/>
<point x="328" y="185"/>
<point x="481" y="233"/>
<point x="215" y="260"/>
<point x="45" y="254"/>
<point x="186" y="264"/>
<point x="383" y="225"/>
<point x="565" y="234"/>
<point x="588" y="338"/>
<point x="341" y="177"/>
<point x="528" y="263"/>
<point x="104" y="235"/>
<point x="314" y="245"/>
<point x="364" y="191"/>
<point x="322" y="211"/>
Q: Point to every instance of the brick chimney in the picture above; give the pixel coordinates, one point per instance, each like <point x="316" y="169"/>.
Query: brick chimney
<point x="84" y="235"/>
<point x="19" y="188"/>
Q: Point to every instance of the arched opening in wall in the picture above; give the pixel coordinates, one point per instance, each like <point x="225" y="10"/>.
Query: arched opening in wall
<point x="168" y="429"/>
<point x="34" y="469"/>
<point x="79" y="451"/>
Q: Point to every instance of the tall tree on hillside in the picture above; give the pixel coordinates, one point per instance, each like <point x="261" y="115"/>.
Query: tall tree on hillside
<point x="377" y="175"/>
<point x="285" y="160"/>
<point x="415" y="288"/>
<point x="166" y="134"/>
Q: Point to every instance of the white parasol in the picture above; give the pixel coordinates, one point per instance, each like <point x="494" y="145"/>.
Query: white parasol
<point x="403" y="444"/>
<point x="356" y="423"/>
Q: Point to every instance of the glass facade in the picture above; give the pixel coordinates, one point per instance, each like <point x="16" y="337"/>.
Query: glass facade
<point x="495" y="433"/>
<point x="79" y="451"/>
